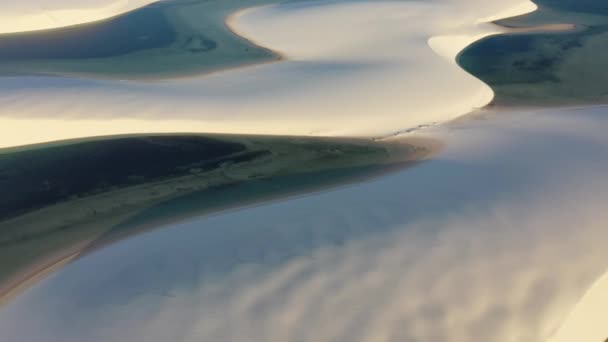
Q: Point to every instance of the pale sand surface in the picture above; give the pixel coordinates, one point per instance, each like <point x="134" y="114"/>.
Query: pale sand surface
<point x="364" y="68"/>
<point x="32" y="15"/>
<point x="587" y="322"/>
<point x="495" y="239"/>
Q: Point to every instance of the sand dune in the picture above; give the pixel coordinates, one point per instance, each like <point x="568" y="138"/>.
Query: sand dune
<point x="587" y="322"/>
<point x="363" y="68"/>
<point x="496" y="239"/>
<point x="32" y="15"/>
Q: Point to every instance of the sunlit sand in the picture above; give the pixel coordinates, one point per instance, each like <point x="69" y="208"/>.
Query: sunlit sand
<point x="587" y="322"/>
<point x="369" y="69"/>
<point x="32" y="15"/>
<point x="495" y="239"/>
<point x="364" y="68"/>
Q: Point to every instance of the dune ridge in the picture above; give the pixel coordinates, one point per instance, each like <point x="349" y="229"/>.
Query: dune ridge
<point x="363" y="69"/>
<point x="34" y="15"/>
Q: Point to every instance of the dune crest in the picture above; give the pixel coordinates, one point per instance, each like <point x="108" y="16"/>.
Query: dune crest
<point x="363" y="69"/>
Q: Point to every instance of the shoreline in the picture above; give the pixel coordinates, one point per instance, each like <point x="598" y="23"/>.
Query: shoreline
<point x="399" y="161"/>
<point x="229" y="23"/>
<point x="400" y="156"/>
<point x="540" y="60"/>
<point x="451" y="46"/>
<point x="180" y="75"/>
<point x="24" y="280"/>
<point x="475" y="93"/>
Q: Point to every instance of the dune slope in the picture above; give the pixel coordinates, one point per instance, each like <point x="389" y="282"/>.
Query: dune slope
<point x="363" y="68"/>
<point x="495" y="239"/>
<point x="32" y="15"/>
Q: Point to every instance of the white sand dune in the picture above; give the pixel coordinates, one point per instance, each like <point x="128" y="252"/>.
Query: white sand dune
<point x="496" y="239"/>
<point x="588" y="321"/>
<point x="353" y="68"/>
<point x="33" y="15"/>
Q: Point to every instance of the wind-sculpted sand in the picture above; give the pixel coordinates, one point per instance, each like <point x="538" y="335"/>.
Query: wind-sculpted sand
<point x="363" y="68"/>
<point x="496" y="239"/>
<point x="500" y="238"/>
<point x="33" y="15"/>
<point x="587" y="322"/>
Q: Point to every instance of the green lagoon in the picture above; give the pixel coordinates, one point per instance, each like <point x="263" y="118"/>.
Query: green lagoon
<point x="165" y="39"/>
<point x="557" y="68"/>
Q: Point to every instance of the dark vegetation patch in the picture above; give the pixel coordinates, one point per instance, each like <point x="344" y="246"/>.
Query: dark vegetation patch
<point x="198" y="44"/>
<point x="545" y="68"/>
<point x="36" y="178"/>
<point x="521" y="58"/>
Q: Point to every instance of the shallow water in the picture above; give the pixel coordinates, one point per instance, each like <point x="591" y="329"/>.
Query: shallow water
<point x="59" y="198"/>
<point x="165" y="39"/>
<point x="142" y="29"/>
<point x="558" y="68"/>
<point x="41" y="177"/>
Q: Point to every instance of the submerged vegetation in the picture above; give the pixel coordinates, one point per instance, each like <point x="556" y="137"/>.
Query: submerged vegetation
<point x="557" y="68"/>
<point x="73" y="196"/>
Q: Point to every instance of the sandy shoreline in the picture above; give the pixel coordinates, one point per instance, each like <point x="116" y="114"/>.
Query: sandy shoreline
<point x="400" y="155"/>
<point x="361" y="80"/>
<point x="35" y="273"/>
<point x="79" y="131"/>
<point x="501" y="243"/>
<point x="585" y="321"/>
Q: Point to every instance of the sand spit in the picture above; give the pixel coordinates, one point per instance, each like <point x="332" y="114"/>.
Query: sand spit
<point x="363" y="69"/>
<point x="33" y="15"/>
